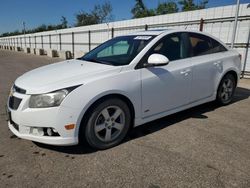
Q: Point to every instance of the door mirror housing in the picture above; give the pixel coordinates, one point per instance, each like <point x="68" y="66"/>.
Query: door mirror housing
<point x="157" y="60"/>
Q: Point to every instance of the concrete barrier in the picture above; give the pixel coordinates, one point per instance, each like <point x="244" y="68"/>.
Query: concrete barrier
<point x="79" y="54"/>
<point x="39" y="51"/>
<point x="65" y="54"/>
<point x="27" y="50"/>
<point x="52" y="53"/>
<point x="33" y="51"/>
<point x="18" y="49"/>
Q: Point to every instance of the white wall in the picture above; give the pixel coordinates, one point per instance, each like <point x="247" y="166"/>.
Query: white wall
<point x="218" y="22"/>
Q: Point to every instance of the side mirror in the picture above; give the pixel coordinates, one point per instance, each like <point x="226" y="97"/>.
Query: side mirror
<point x="157" y="60"/>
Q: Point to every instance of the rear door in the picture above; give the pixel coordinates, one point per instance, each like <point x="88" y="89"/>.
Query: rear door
<point x="207" y="59"/>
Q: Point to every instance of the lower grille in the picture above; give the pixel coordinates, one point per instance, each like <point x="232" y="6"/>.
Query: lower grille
<point x="14" y="102"/>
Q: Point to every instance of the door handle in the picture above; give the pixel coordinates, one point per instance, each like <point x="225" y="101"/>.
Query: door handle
<point x="185" y="72"/>
<point x="217" y="63"/>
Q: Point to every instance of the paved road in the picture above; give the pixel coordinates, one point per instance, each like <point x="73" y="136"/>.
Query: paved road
<point x="206" y="146"/>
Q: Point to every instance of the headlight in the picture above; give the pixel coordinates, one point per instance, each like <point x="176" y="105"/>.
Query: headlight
<point x="49" y="99"/>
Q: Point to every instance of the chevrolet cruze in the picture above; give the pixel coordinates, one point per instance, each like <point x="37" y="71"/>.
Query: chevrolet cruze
<point x="125" y="82"/>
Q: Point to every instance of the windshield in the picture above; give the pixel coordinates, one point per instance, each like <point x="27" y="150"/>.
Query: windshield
<point x="118" y="51"/>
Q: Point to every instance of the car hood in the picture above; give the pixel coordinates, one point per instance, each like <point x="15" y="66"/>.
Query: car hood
<point x="62" y="75"/>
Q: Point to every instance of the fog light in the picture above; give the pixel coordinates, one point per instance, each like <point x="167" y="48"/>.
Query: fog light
<point x="37" y="131"/>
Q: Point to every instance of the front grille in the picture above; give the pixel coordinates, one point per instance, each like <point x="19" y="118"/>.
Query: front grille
<point x="19" y="90"/>
<point x="14" y="102"/>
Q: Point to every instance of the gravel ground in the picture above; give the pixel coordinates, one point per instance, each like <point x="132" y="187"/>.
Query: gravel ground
<point x="206" y="146"/>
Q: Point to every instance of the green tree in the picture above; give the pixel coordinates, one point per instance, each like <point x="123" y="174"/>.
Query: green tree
<point x="100" y="14"/>
<point x="64" y="22"/>
<point x="166" y="8"/>
<point x="188" y="5"/>
<point x="84" y="18"/>
<point x="140" y="10"/>
<point x="41" y="28"/>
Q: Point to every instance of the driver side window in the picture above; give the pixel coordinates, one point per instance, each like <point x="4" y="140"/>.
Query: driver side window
<point x="171" y="46"/>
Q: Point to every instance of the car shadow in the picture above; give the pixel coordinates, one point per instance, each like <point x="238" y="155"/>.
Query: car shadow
<point x="154" y="126"/>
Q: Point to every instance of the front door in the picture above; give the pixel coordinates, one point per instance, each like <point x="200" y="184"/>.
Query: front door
<point x="167" y="87"/>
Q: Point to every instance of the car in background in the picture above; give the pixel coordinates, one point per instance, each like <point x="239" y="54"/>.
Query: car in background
<point x="125" y="82"/>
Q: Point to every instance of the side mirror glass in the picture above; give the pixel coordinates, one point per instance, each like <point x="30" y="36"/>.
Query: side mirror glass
<point x="157" y="60"/>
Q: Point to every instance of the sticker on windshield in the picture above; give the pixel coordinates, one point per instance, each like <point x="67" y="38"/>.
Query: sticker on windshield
<point x="142" y="37"/>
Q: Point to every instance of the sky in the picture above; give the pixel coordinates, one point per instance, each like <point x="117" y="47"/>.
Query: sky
<point x="35" y="13"/>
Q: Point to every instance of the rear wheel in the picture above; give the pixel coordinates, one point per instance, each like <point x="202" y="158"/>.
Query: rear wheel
<point x="107" y="124"/>
<point x="226" y="89"/>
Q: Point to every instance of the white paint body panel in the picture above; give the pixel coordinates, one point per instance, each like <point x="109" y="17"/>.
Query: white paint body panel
<point x="154" y="92"/>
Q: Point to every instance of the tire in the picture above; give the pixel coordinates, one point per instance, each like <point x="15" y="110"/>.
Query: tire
<point x="107" y="124"/>
<point x="226" y="90"/>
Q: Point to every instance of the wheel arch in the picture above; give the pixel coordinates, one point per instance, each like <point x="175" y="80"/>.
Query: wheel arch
<point x="230" y="71"/>
<point x="233" y="72"/>
<point x="83" y="118"/>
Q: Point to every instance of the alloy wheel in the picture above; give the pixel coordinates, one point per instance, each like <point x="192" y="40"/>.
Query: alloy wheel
<point x="109" y="123"/>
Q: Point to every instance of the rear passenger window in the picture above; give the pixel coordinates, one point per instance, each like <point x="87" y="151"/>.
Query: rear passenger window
<point x="203" y="45"/>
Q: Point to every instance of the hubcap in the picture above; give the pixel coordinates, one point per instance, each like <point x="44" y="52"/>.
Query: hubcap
<point x="227" y="90"/>
<point x="109" y="123"/>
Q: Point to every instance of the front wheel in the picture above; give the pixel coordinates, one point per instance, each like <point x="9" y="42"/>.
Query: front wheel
<point x="107" y="124"/>
<point x="226" y="89"/>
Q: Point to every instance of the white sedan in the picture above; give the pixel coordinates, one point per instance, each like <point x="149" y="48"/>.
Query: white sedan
<point x="125" y="82"/>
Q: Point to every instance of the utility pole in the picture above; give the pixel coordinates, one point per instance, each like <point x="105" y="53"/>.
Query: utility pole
<point x="24" y="30"/>
<point x="235" y="23"/>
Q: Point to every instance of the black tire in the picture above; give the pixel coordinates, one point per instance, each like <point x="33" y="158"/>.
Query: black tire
<point x="225" y="95"/>
<point x="98" y="140"/>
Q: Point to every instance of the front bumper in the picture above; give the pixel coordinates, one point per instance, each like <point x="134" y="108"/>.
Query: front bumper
<point x="57" y="141"/>
<point x="24" y="120"/>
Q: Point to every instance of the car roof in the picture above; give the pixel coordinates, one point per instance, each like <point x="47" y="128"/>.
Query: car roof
<point x="150" y="32"/>
<point x="168" y="31"/>
<point x="163" y="31"/>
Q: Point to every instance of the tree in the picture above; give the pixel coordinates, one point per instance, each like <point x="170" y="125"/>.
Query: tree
<point x="166" y="8"/>
<point x="188" y="5"/>
<point x="64" y="22"/>
<point x="84" y="18"/>
<point x="103" y="12"/>
<point x="140" y="10"/>
<point x="203" y="4"/>
<point x="41" y="28"/>
<point x="100" y="14"/>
